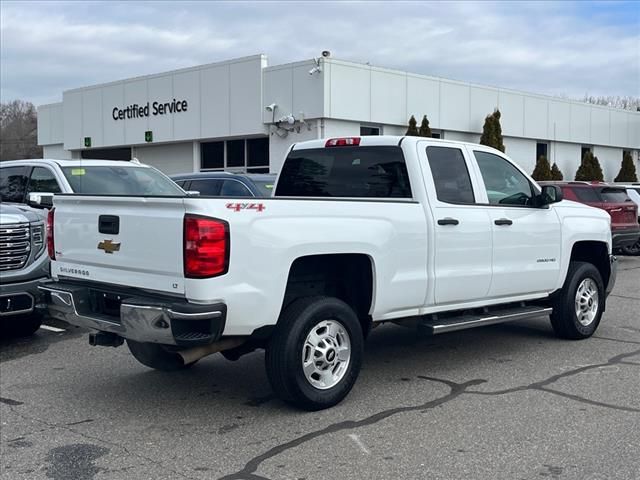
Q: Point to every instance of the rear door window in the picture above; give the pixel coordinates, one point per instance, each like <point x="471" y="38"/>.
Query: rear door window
<point x="13" y="183"/>
<point x="348" y="172"/>
<point x="450" y="175"/>
<point x="206" y="187"/>
<point x="43" y="180"/>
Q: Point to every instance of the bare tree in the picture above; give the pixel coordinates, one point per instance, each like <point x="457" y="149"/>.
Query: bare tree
<point x="624" y="102"/>
<point x="18" y="131"/>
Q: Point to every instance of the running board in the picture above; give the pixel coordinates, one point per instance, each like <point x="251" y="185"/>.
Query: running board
<point x="435" y="325"/>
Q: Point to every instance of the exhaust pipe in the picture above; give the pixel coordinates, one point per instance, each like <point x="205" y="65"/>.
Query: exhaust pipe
<point x="196" y="353"/>
<point x="105" y="339"/>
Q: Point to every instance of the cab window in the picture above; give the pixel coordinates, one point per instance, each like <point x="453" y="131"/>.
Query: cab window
<point x="505" y="184"/>
<point x="450" y="175"/>
<point x="43" y="180"/>
<point x="13" y="182"/>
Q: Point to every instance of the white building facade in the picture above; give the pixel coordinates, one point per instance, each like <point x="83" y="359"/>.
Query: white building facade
<point x="243" y="115"/>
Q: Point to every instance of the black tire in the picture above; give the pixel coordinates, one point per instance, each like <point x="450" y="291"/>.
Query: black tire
<point x="22" y="325"/>
<point x="564" y="320"/>
<point x="157" y="356"/>
<point x="632" y="250"/>
<point x="284" y="352"/>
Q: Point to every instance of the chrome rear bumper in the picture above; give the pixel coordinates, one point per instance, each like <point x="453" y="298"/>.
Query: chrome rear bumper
<point x="154" y="319"/>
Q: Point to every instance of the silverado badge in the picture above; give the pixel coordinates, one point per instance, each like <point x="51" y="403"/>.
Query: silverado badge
<point x="109" y="246"/>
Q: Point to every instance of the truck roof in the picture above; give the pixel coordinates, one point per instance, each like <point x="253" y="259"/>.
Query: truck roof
<point x="379" y="140"/>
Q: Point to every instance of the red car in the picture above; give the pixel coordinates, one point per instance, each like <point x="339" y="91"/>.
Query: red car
<point x="625" y="230"/>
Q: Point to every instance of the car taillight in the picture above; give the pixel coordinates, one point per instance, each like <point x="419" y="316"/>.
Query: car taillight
<point x="343" y="142"/>
<point x="51" y="248"/>
<point x="206" y="247"/>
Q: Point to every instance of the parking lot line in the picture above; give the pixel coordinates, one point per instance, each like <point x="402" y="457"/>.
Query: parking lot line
<point x="52" y="329"/>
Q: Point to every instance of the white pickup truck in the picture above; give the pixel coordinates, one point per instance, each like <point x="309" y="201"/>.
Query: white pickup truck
<point x="360" y="231"/>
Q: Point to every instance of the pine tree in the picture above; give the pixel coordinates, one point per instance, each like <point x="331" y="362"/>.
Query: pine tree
<point x="413" y="128"/>
<point x="543" y="169"/>
<point x="424" y="131"/>
<point x="556" y="173"/>
<point x="627" y="170"/>
<point x="589" y="170"/>
<point x="492" y="131"/>
<point x="499" y="142"/>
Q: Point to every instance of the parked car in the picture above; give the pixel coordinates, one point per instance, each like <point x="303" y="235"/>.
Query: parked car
<point x="444" y="235"/>
<point x="225" y="184"/>
<point x="23" y="265"/>
<point x="625" y="229"/>
<point x="19" y="178"/>
<point x="633" y="190"/>
<point x="27" y="188"/>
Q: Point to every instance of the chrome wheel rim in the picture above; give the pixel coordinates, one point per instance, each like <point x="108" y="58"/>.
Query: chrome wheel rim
<point x="587" y="303"/>
<point x="326" y="354"/>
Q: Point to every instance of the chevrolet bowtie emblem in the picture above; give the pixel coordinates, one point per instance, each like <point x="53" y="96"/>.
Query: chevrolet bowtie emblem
<point x="109" y="246"/>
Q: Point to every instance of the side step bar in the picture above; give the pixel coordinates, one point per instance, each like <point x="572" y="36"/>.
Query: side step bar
<point x="435" y="325"/>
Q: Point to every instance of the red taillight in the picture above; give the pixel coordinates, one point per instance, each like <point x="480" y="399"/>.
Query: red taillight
<point x="51" y="248"/>
<point x="343" y="142"/>
<point x="206" y="247"/>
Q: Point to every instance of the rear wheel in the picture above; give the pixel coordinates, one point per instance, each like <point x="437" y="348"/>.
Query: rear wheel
<point x="157" y="356"/>
<point x="314" y="355"/>
<point x="578" y="308"/>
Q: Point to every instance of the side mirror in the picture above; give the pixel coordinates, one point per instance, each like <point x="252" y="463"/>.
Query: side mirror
<point x="550" y="194"/>
<point x="40" y="200"/>
<point x="193" y="193"/>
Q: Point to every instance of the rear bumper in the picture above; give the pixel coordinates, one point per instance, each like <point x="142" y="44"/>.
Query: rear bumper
<point x="624" y="238"/>
<point x="153" y="319"/>
<point x="613" y="261"/>
<point x="20" y="298"/>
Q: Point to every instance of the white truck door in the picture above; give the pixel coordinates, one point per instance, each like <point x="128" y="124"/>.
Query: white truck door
<point x="462" y="262"/>
<point x="526" y="239"/>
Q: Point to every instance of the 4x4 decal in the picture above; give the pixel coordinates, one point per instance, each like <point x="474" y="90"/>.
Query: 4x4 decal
<point x="236" y="207"/>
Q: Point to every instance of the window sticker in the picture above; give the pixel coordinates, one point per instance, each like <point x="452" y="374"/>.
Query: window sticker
<point x="77" y="171"/>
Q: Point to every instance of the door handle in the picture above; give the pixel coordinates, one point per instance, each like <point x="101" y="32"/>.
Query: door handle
<point x="448" y="221"/>
<point x="503" y="221"/>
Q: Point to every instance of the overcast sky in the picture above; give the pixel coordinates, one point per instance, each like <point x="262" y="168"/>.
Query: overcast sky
<point x="558" y="48"/>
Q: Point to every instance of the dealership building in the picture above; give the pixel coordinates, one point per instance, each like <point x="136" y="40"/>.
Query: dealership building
<point x="243" y="115"/>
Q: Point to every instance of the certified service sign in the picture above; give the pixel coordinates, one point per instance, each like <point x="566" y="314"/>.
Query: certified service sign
<point x="155" y="108"/>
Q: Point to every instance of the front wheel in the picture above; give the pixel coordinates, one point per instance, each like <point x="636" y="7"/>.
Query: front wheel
<point x="22" y="325"/>
<point x="157" y="356"/>
<point x="314" y="355"/>
<point x="578" y="308"/>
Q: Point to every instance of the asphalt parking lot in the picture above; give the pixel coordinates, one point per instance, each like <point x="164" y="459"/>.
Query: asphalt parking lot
<point x="503" y="402"/>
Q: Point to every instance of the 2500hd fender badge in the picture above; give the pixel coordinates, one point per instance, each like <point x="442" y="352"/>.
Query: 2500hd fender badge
<point x="109" y="246"/>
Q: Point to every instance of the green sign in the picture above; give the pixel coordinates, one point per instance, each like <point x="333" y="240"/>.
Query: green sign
<point x="148" y="136"/>
<point x="87" y="142"/>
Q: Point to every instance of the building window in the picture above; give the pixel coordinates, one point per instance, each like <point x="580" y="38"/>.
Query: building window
<point x="584" y="150"/>
<point x="211" y="155"/>
<point x="367" y="130"/>
<point x="242" y="156"/>
<point x="437" y="134"/>
<point x="542" y="150"/>
<point x="258" y="154"/>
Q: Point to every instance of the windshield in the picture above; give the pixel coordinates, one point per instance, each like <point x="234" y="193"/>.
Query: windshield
<point x="614" y="195"/>
<point x="117" y="180"/>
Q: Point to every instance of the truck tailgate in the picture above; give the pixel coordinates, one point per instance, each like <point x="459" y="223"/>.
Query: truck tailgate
<point x="135" y="241"/>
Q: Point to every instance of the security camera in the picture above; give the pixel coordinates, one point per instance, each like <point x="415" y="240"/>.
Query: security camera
<point x="315" y="70"/>
<point x="271" y="107"/>
<point x="326" y="53"/>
